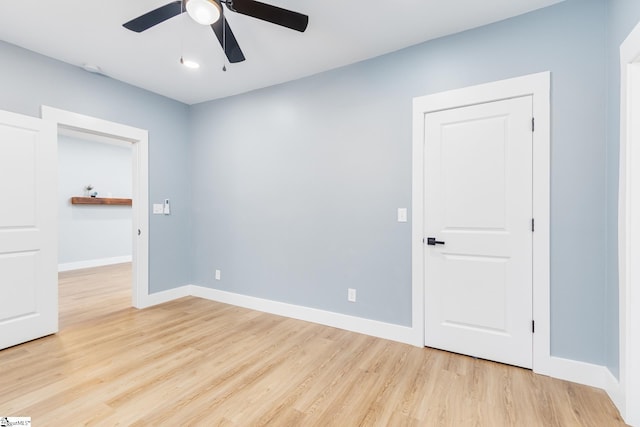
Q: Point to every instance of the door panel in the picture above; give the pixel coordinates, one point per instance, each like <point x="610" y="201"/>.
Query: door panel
<point x="17" y="170"/>
<point x="20" y="298"/>
<point x="468" y="183"/>
<point x="28" y="229"/>
<point x="478" y="201"/>
<point x="474" y="277"/>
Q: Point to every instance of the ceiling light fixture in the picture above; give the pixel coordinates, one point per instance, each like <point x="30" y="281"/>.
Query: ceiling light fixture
<point x="204" y="12"/>
<point x="189" y="63"/>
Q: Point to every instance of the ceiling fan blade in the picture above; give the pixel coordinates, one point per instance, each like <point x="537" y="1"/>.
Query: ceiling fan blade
<point x="156" y="16"/>
<point x="266" y="12"/>
<point x="227" y="40"/>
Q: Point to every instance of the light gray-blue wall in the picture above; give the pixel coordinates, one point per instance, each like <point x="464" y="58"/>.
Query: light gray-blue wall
<point x="622" y="17"/>
<point x="93" y="232"/>
<point x="29" y="80"/>
<point x="302" y="180"/>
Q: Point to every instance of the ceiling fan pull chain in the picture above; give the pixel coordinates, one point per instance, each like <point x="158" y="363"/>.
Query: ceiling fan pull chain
<point x="182" y="31"/>
<point x="224" y="41"/>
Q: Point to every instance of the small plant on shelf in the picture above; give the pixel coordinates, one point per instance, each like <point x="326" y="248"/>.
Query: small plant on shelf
<point x="89" y="191"/>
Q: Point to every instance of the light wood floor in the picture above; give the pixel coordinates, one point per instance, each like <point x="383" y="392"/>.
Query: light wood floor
<point x="197" y="362"/>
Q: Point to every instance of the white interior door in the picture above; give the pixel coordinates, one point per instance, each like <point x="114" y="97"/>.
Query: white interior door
<point x="478" y="203"/>
<point x="28" y="229"/>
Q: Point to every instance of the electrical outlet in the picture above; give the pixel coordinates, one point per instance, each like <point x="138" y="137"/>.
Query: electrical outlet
<point x="217" y="274"/>
<point x="351" y="295"/>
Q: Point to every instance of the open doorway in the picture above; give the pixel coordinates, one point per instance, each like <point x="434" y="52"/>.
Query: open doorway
<point x="94" y="128"/>
<point x="94" y="201"/>
<point x="94" y="226"/>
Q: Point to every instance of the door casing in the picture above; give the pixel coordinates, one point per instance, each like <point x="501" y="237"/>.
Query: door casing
<point x="626" y="393"/>
<point x="138" y="138"/>
<point x="538" y="86"/>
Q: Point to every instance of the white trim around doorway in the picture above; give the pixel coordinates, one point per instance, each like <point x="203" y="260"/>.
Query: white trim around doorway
<point x="629" y="231"/>
<point x="139" y="140"/>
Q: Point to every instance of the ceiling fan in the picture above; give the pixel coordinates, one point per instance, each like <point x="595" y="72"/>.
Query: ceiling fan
<point x="210" y="12"/>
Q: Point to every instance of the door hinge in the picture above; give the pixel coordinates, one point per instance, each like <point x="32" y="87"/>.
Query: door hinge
<point x="533" y="225"/>
<point x="533" y="326"/>
<point x="533" y="124"/>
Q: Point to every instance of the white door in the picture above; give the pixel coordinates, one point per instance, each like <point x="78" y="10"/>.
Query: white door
<point x="28" y="229"/>
<point x="478" y="203"/>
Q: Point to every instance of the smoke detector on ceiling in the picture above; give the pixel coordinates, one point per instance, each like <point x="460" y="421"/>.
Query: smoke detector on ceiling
<point x="92" y="68"/>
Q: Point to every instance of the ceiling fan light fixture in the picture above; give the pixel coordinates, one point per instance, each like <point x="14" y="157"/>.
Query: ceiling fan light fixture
<point x="204" y="12"/>
<point x="189" y="63"/>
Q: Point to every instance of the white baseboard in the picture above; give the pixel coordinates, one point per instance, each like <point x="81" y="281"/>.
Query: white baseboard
<point x="615" y="391"/>
<point x="93" y="263"/>
<point x="576" y="371"/>
<point x="164" y="296"/>
<point x="403" y="334"/>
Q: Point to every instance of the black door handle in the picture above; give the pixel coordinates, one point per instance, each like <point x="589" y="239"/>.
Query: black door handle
<point x="432" y="241"/>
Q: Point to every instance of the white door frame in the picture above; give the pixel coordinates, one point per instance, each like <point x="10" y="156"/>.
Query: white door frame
<point x="629" y="228"/>
<point x="139" y="140"/>
<point x="537" y="85"/>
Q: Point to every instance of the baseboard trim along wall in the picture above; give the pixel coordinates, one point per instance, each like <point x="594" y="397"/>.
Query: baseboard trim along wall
<point x="164" y="296"/>
<point x="587" y="374"/>
<point x="556" y="367"/>
<point x="93" y="263"/>
<point x="370" y="327"/>
<point x="615" y="391"/>
<point x="576" y="371"/>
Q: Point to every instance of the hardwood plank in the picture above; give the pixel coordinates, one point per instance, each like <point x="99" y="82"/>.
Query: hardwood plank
<point x="198" y="362"/>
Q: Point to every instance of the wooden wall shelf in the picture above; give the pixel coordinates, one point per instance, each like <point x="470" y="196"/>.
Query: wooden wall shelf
<point x="100" y="201"/>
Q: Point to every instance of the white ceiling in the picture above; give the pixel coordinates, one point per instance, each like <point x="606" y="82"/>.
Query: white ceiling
<point x="340" y="32"/>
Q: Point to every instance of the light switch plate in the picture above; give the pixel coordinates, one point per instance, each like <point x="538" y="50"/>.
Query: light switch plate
<point x="402" y="214"/>
<point x="158" y="208"/>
